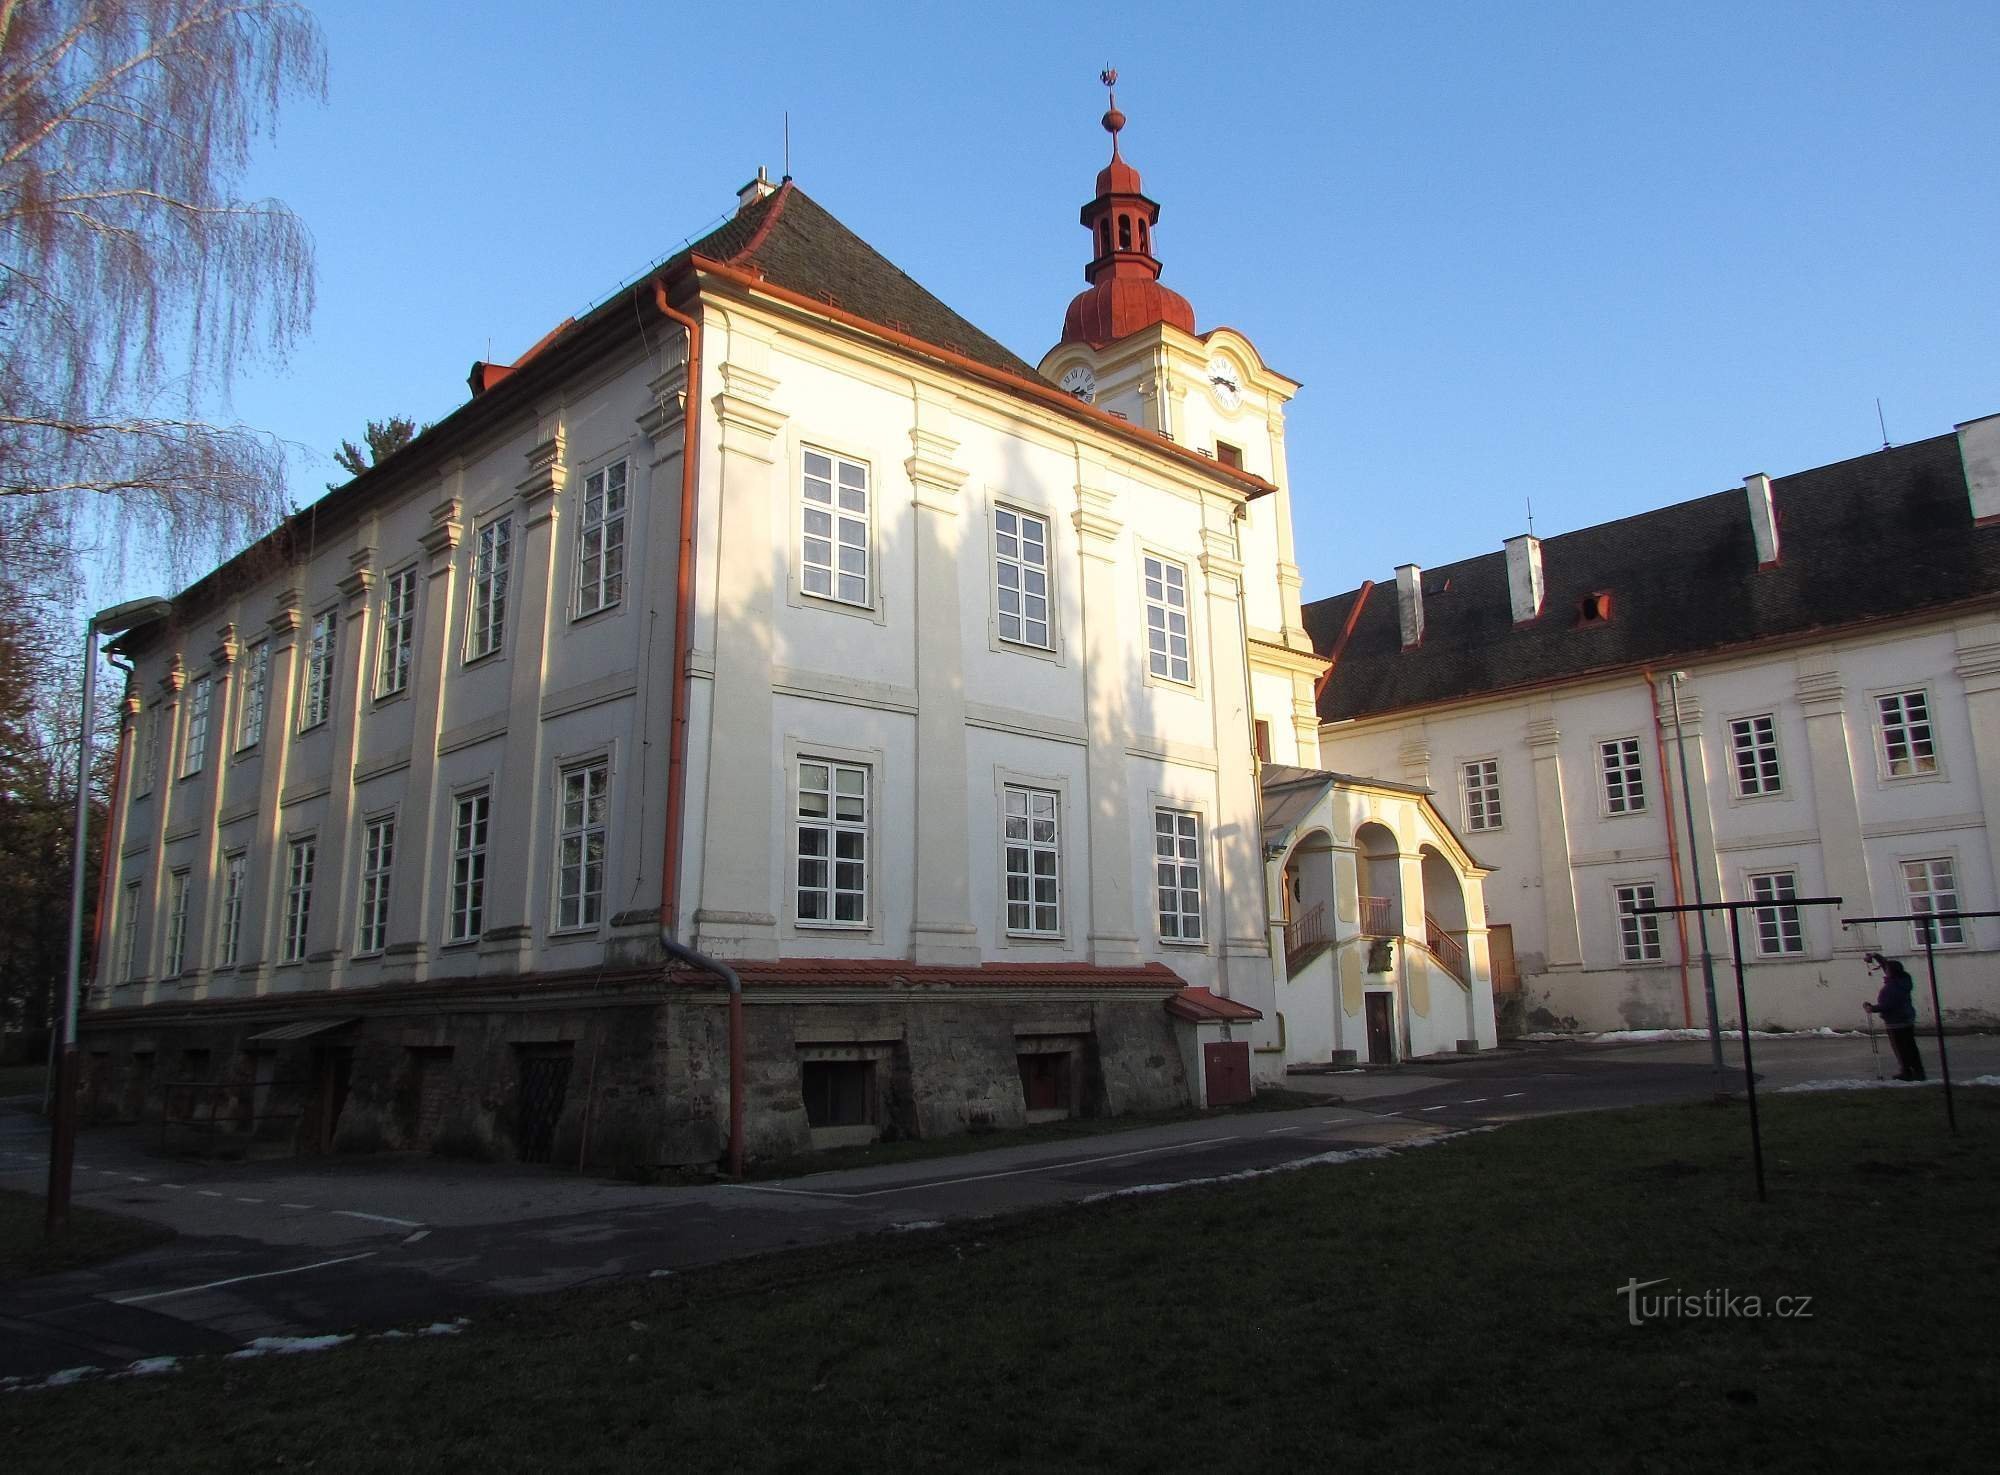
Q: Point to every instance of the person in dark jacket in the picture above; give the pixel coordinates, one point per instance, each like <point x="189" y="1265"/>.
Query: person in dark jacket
<point x="1899" y="1015"/>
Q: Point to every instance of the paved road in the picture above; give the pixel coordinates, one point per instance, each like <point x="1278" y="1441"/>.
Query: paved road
<point x="303" y="1247"/>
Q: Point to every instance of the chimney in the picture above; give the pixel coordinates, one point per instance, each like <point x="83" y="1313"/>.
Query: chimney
<point x="1763" y="518"/>
<point x="755" y="190"/>
<point x="1979" y="449"/>
<point x="1524" y="576"/>
<point x="1410" y="603"/>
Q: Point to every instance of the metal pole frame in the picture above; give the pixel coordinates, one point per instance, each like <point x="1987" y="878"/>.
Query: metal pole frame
<point x="1743" y="996"/>
<point x="1928" y="921"/>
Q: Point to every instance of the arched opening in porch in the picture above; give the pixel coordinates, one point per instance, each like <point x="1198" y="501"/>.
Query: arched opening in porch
<point x="1307" y="905"/>
<point x="1381" y="880"/>
<point x="1444" y="913"/>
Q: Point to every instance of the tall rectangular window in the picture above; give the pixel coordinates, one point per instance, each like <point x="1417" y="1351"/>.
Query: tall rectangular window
<point x="177" y="923"/>
<point x="832" y="873"/>
<point x="250" y="717"/>
<point x="229" y="936"/>
<point x="833" y="530"/>
<point x="197" y="726"/>
<point x="492" y="557"/>
<point x="1638" y="937"/>
<point x="318" y="703"/>
<point x="1624" y="785"/>
<point x="301" y="857"/>
<point x="580" y="845"/>
<point x="1907" y="746"/>
<point x="469" y="819"/>
<point x="1779" y="931"/>
<point x="1167" y="620"/>
<point x="128" y="950"/>
<point x="600" y="541"/>
<point x="1177" y="873"/>
<point x="1480" y="781"/>
<point x="378" y="855"/>
<point x="1021" y="577"/>
<point x="1033" y="847"/>
<point x="149" y="756"/>
<point x="1932" y="886"/>
<point x="399" y="633"/>
<point x="1753" y="743"/>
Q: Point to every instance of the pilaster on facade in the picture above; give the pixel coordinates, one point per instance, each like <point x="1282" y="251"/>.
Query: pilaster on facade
<point x="1413" y="756"/>
<point x="328" y="937"/>
<point x="1822" y="698"/>
<point x="1113" y="936"/>
<point x="107" y="959"/>
<point x="665" y="417"/>
<point x="1563" y="940"/>
<point x="941" y="929"/>
<point x="257" y="955"/>
<point x="411" y="892"/>
<point x="167" y="715"/>
<point x="202" y="910"/>
<point x="1245" y="962"/>
<point x="508" y="944"/>
<point x="735" y="917"/>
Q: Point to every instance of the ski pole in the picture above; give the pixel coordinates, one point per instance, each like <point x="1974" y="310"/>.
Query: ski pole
<point x="1874" y="1045"/>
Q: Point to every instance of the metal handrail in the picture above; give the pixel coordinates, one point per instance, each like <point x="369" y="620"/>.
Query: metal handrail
<point x="1305" y="932"/>
<point x="1447" y="948"/>
<point x="1378" y="917"/>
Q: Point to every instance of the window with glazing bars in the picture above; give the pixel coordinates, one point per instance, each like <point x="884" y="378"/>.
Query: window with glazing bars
<point x="1779" y="931"/>
<point x="399" y="632"/>
<point x="1177" y="873"/>
<point x="469" y="816"/>
<point x="1638" y="937"/>
<point x="129" y="945"/>
<point x="229" y="936"/>
<point x="1624" y="785"/>
<point x="196" y="754"/>
<point x="833" y="532"/>
<point x="832" y="860"/>
<point x="378" y="855"/>
<point x="1034" y="862"/>
<point x="600" y="541"/>
<point x="1907" y="746"/>
<point x="580" y="845"/>
<point x="1932" y="886"/>
<point x="492" y="557"/>
<point x="1021" y="574"/>
<point x="250" y="716"/>
<point x="300" y="859"/>
<point x="1167" y="648"/>
<point x="1754" y="746"/>
<point x="318" y="703"/>
<point x="177" y="923"/>
<point x="1481" y="781"/>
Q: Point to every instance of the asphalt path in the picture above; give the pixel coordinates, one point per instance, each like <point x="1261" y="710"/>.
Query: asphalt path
<point x="303" y="1247"/>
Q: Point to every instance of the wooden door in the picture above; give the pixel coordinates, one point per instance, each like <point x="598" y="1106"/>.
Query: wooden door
<point x="1381" y="1029"/>
<point x="1500" y="949"/>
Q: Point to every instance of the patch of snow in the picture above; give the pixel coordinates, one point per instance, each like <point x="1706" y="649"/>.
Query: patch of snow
<point x="657" y="1274"/>
<point x="70" y="1375"/>
<point x="285" y="1346"/>
<point x="1887" y="1083"/>
<point x="1656" y="1036"/>
<point x="391" y="1335"/>
<point x="445" y="1328"/>
<point x="147" y="1367"/>
<point x="911" y="1225"/>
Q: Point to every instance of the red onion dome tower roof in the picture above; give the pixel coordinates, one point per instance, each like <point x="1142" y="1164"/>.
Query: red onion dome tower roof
<point x="1125" y="294"/>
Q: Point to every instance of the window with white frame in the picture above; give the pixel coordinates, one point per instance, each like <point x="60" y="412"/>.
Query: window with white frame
<point x="1033" y="848"/>
<point x="199" y="694"/>
<point x="832" y="860"/>
<point x="1908" y="749"/>
<point x="1177" y="873"/>
<point x="1021" y="577"/>
<point x="470" y="816"/>
<point x="399" y="632"/>
<point x="250" y="716"/>
<point x="1480" y="782"/>
<point x="1638" y="937"/>
<point x="177" y="923"/>
<point x="1624" y="785"/>
<point x="1753" y="746"/>
<point x="600" y="541"/>
<point x="1779" y="931"/>
<point x="128" y="950"/>
<point x="1932" y="886"/>
<point x="149" y="756"/>
<point x="486" y="611"/>
<point x="833" y="528"/>
<point x="580" y="844"/>
<point x="1167" y="647"/>
<point x="318" y="703"/>
<point x="301" y="859"/>
<point x="378" y="855"/>
<point x="229" y="936"/>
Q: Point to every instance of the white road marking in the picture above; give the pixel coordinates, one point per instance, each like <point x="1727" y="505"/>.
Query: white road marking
<point x="208" y="1193"/>
<point x="1512" y="1094"/>
<point x="1273" y="1131"/>
<point x="249" y="1200"/>
<point x="295" y="1206"/>
<point x="1472" y="1101"/>
<point x="170" y="1185"/>
<point x="380" y="1218"/>
<point x="237" y="1280"/>
<point x="1076" y="1162"/>
<point x="1432" y="1108"/>
<point x="411" y="1239"/>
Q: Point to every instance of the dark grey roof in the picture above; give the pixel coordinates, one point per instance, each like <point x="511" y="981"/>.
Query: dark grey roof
<point x="1884" y="534"/>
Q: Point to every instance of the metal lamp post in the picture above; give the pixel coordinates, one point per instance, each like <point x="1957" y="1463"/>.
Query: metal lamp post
<point x="1675" y="678"/>
<point x="62" y="1122"/>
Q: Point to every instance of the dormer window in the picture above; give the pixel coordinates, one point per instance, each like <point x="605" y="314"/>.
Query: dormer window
<point x="1593" y="609"/>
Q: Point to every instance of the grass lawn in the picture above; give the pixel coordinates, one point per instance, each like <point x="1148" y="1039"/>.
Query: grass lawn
<point x="1446" y="1308"/>
<point x="91" y="1237"/>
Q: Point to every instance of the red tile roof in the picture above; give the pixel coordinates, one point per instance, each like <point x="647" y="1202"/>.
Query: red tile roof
<point x="1205" y="1006"/>
<point x="902" y="973"/>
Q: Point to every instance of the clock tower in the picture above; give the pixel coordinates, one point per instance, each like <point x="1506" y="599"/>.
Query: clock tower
<point x="1129" y="346"/>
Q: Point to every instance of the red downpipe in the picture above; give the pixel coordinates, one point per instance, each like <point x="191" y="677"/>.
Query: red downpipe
<point x="1333" y="658"/>
<point x="1673" y="845"/>
<point x="682" y="684"/>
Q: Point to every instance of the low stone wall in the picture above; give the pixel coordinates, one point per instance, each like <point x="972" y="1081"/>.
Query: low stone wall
<point x="632" y="1083"/>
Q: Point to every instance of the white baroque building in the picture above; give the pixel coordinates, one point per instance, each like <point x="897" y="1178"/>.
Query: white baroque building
<point x="771" y="610"/>
<point x="1837" y="638"/>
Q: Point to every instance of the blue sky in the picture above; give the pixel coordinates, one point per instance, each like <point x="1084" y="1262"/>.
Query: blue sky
<point x="1604" y="256"/>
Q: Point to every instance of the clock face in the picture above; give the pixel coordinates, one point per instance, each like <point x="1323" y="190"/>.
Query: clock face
<point x="1080" y="382"/>
<point x="1225" y="381"/>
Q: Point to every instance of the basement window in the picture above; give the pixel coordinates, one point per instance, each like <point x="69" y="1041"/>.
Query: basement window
<point x="1047" y="1089"/>
<point x="839" y="1101"/>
